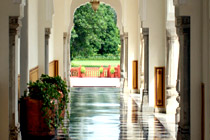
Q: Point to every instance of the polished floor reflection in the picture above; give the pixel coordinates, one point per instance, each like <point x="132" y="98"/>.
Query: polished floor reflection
<point x="106" y="114"/>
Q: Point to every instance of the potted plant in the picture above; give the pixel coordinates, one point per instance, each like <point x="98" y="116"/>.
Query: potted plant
<point x="82" y="70"/>
<point x="101" y="70"/>
<point x="112" y="70"/>
<point x="42" y="108"/>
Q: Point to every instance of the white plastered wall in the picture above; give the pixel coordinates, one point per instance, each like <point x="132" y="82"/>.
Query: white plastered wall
<point x="33" y="33"/>
<point x="58" y="30"/>
<point x="7" y="8"/>
<point x="44" y="21"/>
<point x="39" y="18"/>
<point x="155" y="21"/>
<point x="51" y="45"/>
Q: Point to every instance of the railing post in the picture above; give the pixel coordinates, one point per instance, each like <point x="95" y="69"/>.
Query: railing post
<point x="118" y="71"/>
<point x="79" y="71"/>
<point x="108" y="72"/>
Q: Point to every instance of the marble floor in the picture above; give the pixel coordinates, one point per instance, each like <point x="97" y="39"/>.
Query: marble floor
<point x="106" y="114"/>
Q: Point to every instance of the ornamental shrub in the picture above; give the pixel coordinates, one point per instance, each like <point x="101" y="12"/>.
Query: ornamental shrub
<point x="82" y="70"/>
<point x="112" y="70"/>
<point x="101" y="69"/>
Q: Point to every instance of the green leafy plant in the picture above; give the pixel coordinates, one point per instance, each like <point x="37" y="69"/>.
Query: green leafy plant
<point x="94" y="32"/>
<point x="101" y="69"/>
<point x="53" y="93"/>
<point x="82" y="70"/>
<point x="112" y="70"/>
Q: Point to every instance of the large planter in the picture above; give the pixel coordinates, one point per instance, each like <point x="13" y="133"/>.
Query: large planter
<point x="82" y="74"/>
<point x="32" y="121"/>
<point x="101" y="75"/>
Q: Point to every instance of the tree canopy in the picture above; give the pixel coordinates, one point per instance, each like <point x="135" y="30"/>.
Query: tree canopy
<point x="94" y="32"/>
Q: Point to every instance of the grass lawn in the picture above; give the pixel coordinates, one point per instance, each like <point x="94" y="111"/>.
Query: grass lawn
<point x="94" y="63"/>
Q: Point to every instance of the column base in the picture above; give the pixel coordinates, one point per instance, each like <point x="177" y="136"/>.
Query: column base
<point x="183" y="134"/>
<point x="145" y="103"/>
<point x="122" y="80"/>
<point x="15" y="133"/>
<point x="125" y="86"/>
<point x="171" y="102"/>
<point x="137" y="91"/>
<point x="177" y="115"/>
<point x="160" y="110"/>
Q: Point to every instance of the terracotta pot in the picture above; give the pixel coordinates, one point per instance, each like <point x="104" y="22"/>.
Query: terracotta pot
<point x="32" y="121"/>
<point x="101" y="74"/>
<point x="112" y="75"/>
<point x="82" y="74"/>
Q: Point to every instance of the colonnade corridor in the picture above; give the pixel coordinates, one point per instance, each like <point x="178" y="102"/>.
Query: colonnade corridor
<point x="106" y="114"/>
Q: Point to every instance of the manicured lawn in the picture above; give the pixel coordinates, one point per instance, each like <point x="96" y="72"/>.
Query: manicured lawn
<point x="94" y="63"/>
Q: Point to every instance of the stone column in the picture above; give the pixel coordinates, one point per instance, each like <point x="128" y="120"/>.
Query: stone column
<point x="146" y="64"/>
<point x="142" y="62"/>
<point x="14" y="33"/>
<point x="145" y="101"/>
<point x="126" y="63"/>
<point x="47" y="36"/>
<point x="68" y="60"/>
<point x="122" y="62"/>
<point x="171" y="71"/>
<point x="183" y="30"/>
<point x="65" y="56"/>
<point x="24" y="52"/>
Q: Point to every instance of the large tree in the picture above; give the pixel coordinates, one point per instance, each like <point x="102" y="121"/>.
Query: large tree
<point x="94" y="32"/>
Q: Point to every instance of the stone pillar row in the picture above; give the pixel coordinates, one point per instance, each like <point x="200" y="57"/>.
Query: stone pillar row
<point x="171" y="70"/>
<point x="14" y="34"/>
<point x="47" y="37"/>
<point x="68" y="60"/>
<point x="65" y="56"/>
<point x="24" y="52"/>
<point x="145" y="100"/>
<point x="183" y="85"/>
<point x="124" y="62"/>
<point x="146" y="61"/>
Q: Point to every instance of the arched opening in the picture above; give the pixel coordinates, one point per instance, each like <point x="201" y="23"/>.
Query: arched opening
<point x="95" y="45"/>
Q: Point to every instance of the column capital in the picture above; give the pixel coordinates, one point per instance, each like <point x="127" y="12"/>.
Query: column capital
<point x="123" y="36"/>
<point x="65" y="34"/>
<point x="126" y="34"/>
<point x="145" y="31"/>
<point x="47" y="32"/>
<point x="182" y="22"/>
<point x="172" y="38"/>
<point x="179" y="2"/>
<point x="171" y="32"/>
<point x="14" y="25"/>
<point x="14" y="28"/>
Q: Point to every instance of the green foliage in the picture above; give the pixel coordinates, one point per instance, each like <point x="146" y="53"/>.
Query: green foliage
<point x="101" y="69"/>
<point x="82" y="70"/>
<point x="53" y="93"/>
<point x="112" y="70"/>
<point x="94" y="32"/>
